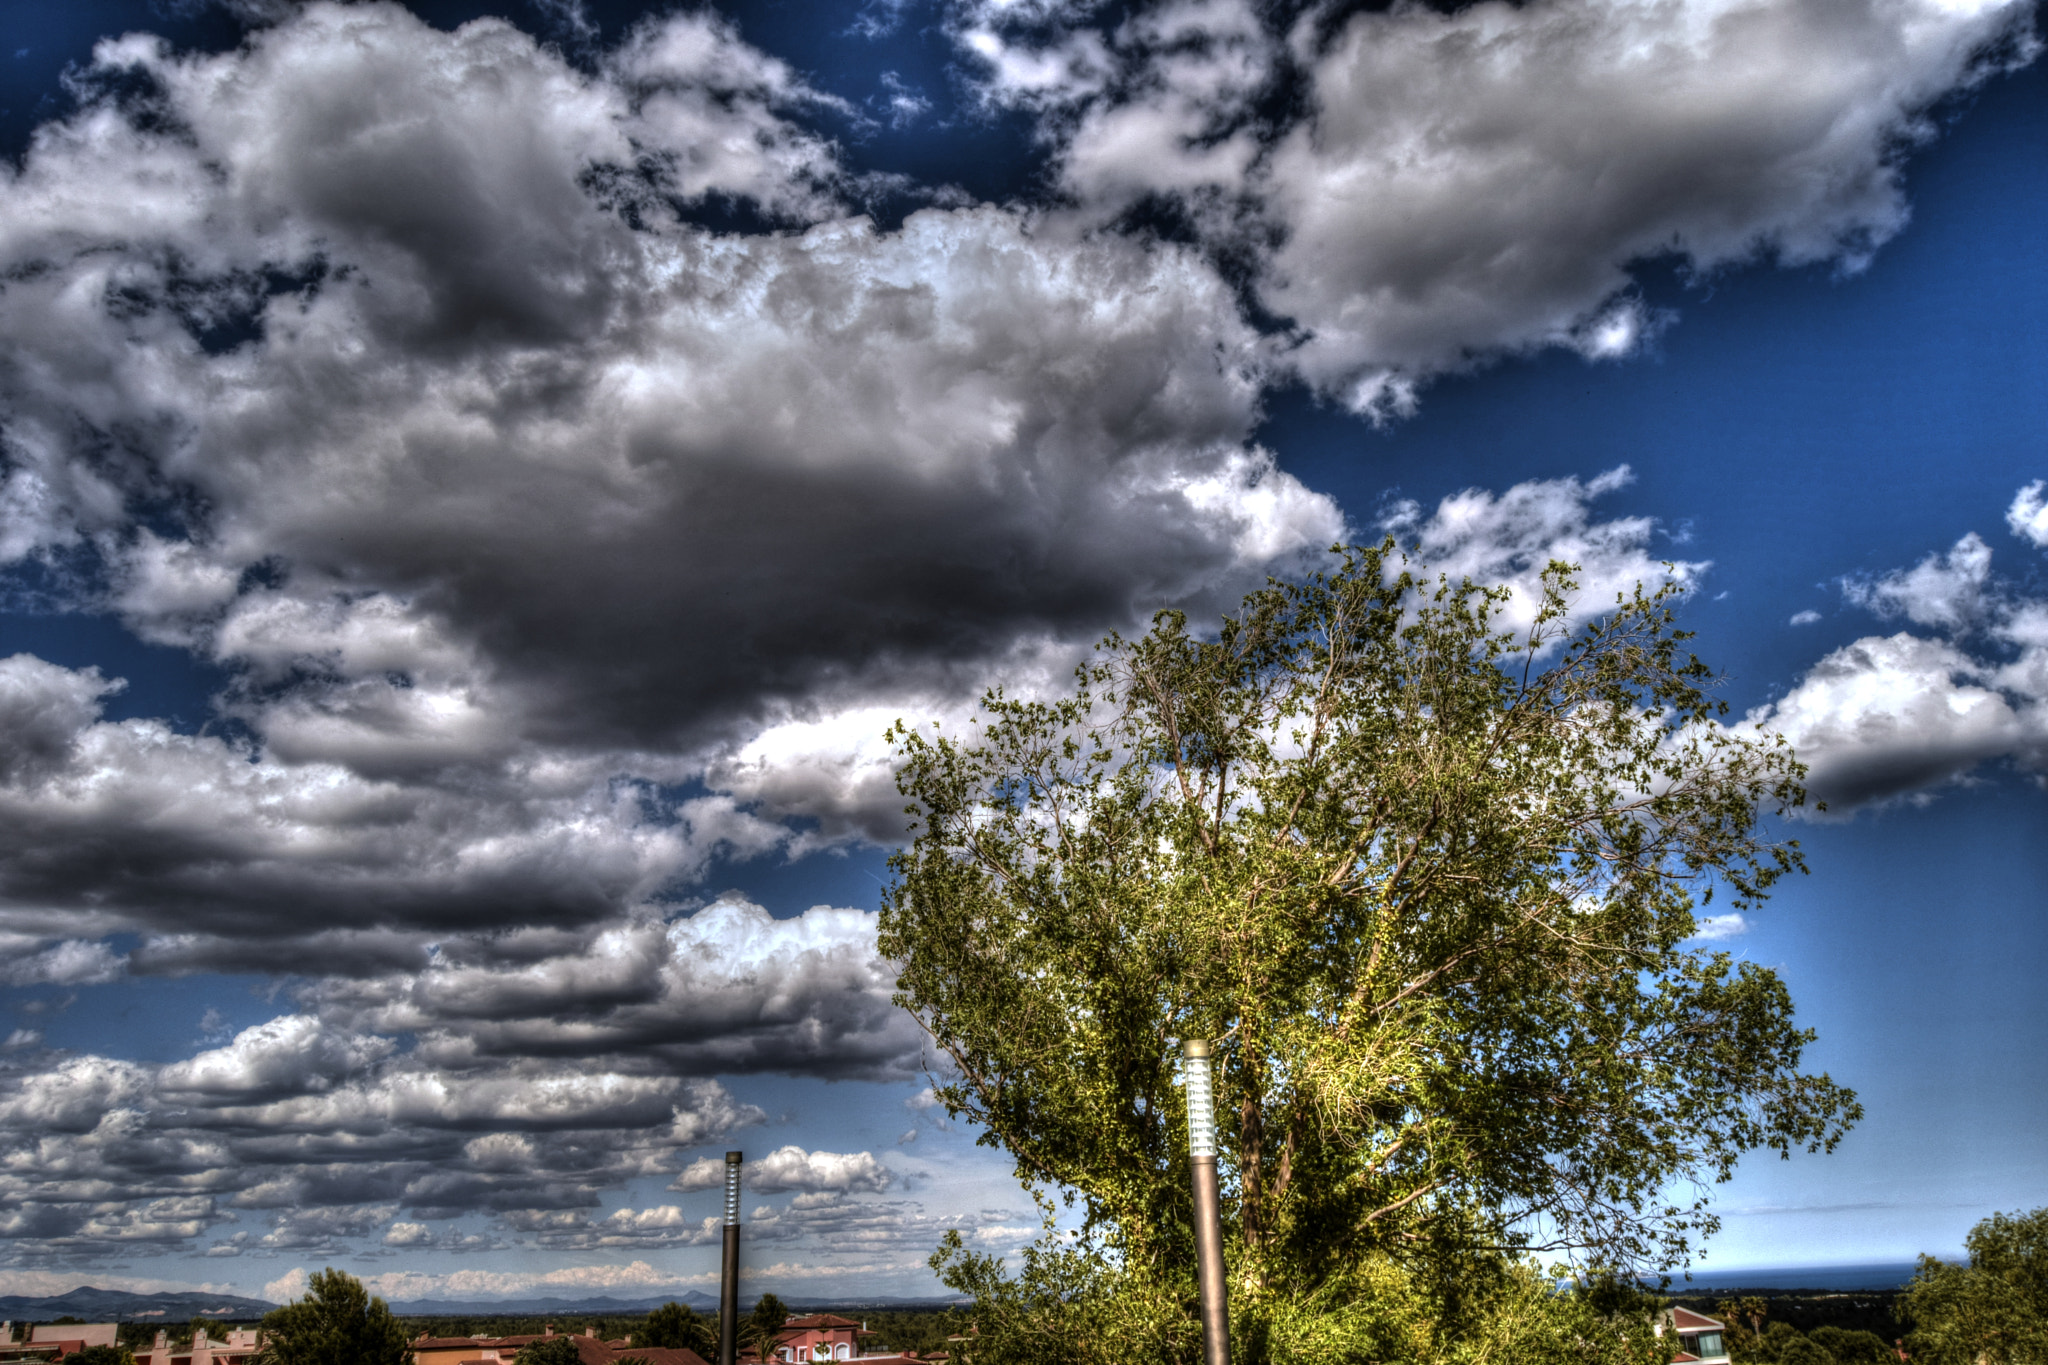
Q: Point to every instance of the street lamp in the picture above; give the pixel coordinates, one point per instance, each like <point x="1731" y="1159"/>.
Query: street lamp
<point x="1201" y="1097"/>
<point x="729" y="1276"/>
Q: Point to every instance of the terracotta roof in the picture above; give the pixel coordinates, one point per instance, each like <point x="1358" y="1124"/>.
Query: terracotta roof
<point x="1685" y="1320"/>
<point x="819" y="1320"/>
<point x="1682" y="1357"/>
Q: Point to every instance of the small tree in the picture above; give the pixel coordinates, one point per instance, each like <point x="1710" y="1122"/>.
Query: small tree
<point x="552" y="1350"/>
<point x="763" y="1327"/>
<point x="99" y="1355"/>
<point x="337" y="1322"/>
<point x="1993" y="1311"/>
<point x="1434" y="900"/>
<point x="676" y="1326"/>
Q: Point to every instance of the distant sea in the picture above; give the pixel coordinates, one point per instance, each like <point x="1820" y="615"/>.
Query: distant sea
<point x="1883" y="1275"/>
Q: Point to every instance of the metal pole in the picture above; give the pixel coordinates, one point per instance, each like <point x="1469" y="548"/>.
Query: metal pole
<point x="729" y="1276"/>
<point x="1208" y="1204"/>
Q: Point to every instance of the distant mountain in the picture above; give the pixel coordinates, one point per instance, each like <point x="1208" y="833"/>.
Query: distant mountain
<point x="601" y="1307"/>
<point x="102" y="1305"/>
<point x="116" y="1305"/>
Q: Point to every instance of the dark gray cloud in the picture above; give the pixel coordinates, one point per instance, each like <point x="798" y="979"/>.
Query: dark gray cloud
<point x="1476" y="179"/>
<point x="331" y="1133"/>
<point x="536" y="1077"/>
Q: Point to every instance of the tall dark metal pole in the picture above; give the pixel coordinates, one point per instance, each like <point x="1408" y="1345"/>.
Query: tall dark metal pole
<point x="1208" y="1204"/>
<point x="729" y="1276"/>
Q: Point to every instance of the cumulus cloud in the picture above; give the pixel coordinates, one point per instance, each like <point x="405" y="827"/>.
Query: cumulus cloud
<point x="1716" y="928"/>
<point x="1946" y="591"/>
<point x="512" y="500"/>
<point x="531" y="412"/>
<point x="332" y="1133"/>
<point x="2028" y="515"/>
<point x="1470" y="180"/>
<point x="792" y="1168"/>
<point x="133" y="825"/>
<point x="1509" y="538"/>
<point x="1898" y="717"/>
<point x="728" y="988"/>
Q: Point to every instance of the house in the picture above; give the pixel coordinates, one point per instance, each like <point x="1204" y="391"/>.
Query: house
<point x="819" y="1336"/>
<point x="234" y="1347"/>
<point x="1700" y="1338"/>
<point x="47" y="1341"/>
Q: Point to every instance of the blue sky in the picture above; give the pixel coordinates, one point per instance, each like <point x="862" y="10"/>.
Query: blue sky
<point x="486" y="456"/>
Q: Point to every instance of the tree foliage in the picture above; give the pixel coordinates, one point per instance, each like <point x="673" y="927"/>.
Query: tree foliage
<point x="99" y="1355"/>
<point x="762" y="1328"/>
<point x="1992" y="1311"/>
<point x="676" y="1326"/>
<point x="1430" y="887"/>
<point x="337" y="1322"/>
<point x="549" y="1350"/>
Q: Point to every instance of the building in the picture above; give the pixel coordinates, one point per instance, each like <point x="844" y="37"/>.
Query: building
<point x="428" y="1350"/>
<point x="233" y="1347"/>
<point x="48" y="1340"/>
<point x="819" y="1336"/>
<point x="1700" y="1338"/>
<point x="822" y="1336"/>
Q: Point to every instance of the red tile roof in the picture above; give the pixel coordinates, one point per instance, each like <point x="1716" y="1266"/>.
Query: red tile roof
<point x="1685" y="1320"/>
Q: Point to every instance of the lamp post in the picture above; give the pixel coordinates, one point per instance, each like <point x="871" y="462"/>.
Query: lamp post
<point x="1208" y="1204"/>
<point x="729" y="1276"/>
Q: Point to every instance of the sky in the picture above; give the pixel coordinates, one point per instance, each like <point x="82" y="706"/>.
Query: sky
<point x="477" y="479"/>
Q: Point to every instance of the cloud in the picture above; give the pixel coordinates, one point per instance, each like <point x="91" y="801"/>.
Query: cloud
<point x="792" y="1168"/>
<point x="2028" y="515"/>
<point x="512" y="500"/>
<point x="1946" y="591"/>
<point x="1899" y="717"/>
<point x="288" y="1286"/>
<point x="728" y="988"/>
<point x="51" y="1283"/>
<point x="330" y="1131"/>
<point x="1510" y="538"/>
<point x="132" y="825"/>
<point x="1718" y="928"/>
<point x="1446" y="184"/>
<point x="1804" y="618"/>
<point x="518" y="437"/>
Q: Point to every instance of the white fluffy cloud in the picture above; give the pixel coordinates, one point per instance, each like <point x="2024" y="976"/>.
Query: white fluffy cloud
<point x="2028" y="515"/>
<point x="792" y="1168"/>
<point x="1510" y="538"/>
<point x="1900" y="716"/>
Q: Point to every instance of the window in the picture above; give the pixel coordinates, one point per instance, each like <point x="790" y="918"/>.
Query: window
<point x="1710" y="1345"/>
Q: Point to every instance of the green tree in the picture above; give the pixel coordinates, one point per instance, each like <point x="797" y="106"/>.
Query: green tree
<point x="1430" y="887"/>
<point x="762" y="1329"/>
<point x="1992" y="1311"/>
<point x="549" y="1350"/>
<point x="676" y="1326"/>
<point x="337" y="1322"/>
<point x="1853" y="1347"/>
